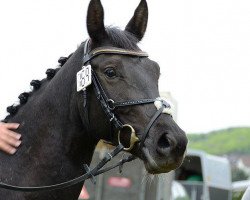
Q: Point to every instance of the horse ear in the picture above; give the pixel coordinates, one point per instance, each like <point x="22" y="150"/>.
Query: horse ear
<point x="95" y="21"/>
<point x="138" y="23"/>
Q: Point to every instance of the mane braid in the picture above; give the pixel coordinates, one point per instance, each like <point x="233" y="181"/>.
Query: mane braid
<point x="23" y="97"/>
<point x="122" y="39"/>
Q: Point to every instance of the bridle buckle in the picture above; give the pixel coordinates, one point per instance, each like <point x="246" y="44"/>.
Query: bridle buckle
<point x="111" y="104"/>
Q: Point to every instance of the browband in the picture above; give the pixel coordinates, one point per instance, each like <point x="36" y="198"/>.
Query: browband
<point x="112" y="50"/>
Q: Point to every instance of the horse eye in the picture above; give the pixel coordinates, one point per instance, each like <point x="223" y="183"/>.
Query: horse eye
<point x="110" y="72"/>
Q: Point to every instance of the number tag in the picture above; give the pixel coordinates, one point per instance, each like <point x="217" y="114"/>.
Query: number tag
<point x="84" y="78"/>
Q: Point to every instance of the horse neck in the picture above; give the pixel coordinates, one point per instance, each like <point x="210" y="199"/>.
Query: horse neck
<point x="55" y="144"/>
<point x="51" y="124"/>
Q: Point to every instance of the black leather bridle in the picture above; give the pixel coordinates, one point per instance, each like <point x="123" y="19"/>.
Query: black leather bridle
<point x="108" y="105"/>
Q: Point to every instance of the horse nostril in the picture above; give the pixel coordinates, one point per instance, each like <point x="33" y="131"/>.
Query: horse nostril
<point x="163" y="146"/>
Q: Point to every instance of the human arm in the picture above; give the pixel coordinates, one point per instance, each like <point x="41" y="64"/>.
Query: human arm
<point x="9" y="140"/>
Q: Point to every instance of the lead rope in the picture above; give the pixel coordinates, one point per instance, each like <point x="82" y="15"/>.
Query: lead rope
<point x="90" y="174"/>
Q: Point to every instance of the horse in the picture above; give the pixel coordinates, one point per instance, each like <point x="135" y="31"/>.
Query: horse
<point x="61" y="126"/>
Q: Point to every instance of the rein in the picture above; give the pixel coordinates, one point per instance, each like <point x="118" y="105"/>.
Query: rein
<point x="108" y="105"/>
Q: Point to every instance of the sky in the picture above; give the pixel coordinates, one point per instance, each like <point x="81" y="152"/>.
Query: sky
<point x="203" y="48"/>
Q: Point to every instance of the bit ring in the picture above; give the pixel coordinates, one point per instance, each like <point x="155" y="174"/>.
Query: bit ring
<point x="133" y="138"/>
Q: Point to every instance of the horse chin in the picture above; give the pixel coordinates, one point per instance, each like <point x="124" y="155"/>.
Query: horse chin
<point x="153" y="168"/>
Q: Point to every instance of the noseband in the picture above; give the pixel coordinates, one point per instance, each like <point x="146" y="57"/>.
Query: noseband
<point x="109" y="106"/>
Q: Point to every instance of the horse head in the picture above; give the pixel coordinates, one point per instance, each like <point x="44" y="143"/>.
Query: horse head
<point x="124" y="78"/>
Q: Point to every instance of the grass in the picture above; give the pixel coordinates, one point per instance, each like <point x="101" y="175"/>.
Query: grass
<point x="220" y="142"/>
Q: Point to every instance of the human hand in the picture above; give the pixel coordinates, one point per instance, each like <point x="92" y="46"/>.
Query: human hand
<point x="9" y="140"/>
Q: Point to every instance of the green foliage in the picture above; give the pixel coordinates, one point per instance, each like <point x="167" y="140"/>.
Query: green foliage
<point x="226" y="141"/>
<point x="238" y="195"/>
<point x="238" y="175"/>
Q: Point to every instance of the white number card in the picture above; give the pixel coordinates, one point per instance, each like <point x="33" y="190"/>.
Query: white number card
<point x="84" y="78"/>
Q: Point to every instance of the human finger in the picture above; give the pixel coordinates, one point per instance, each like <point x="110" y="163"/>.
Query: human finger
<point x="9" y="140"/>
<point x="7" y="148"/>
<point x="11" y="125"/>
<point x="13" y="134"/>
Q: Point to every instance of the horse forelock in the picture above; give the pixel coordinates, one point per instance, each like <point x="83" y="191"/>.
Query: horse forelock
<point x="122" y="39"/>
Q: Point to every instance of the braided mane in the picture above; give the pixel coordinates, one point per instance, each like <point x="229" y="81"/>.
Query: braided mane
<point x="36" y="84"/>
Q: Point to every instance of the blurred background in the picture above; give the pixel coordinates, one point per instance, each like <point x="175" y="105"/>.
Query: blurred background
<point x="202" y="47"/>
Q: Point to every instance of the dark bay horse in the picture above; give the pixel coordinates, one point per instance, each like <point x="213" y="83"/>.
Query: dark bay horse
<point x="60" y="127"/>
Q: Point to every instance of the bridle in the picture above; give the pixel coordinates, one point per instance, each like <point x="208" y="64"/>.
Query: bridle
<point x="109" y="106"/>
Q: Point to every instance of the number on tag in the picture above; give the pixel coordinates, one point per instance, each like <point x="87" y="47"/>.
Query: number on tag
<point x="84" y="78"/>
